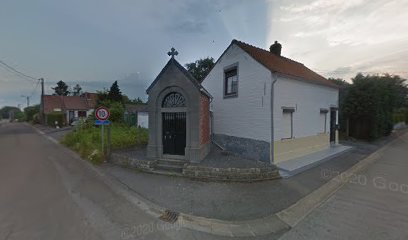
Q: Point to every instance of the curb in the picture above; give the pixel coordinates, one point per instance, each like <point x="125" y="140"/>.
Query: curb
<point x="298" y="211"/>
<point x="247" y="228"/>
<point x="275" y="223"/>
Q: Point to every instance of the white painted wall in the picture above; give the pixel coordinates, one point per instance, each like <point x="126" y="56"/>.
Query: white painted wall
<point x="89" y="112"/>
<point x="307" y="99"/>
<point x="248" y="115"/>
<point x="143" y="119"/>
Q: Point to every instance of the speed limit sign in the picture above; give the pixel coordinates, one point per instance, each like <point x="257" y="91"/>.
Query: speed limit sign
<point x="102" y="113"/>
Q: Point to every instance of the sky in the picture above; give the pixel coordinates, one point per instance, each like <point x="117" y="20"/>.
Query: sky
<point x="95" y="42"/>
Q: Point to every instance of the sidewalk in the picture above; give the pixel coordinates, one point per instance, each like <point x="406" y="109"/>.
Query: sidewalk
<point x="235" y="201"/>
<point x="56" y="133"/>
<point x="372" y="204"/>
<point x="263" y="210"/>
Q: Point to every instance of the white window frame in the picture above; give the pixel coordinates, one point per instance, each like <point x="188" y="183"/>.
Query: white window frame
<point x="324" y="111"/>
<point x="233" y="67"/>
<point x="289" y="110"/>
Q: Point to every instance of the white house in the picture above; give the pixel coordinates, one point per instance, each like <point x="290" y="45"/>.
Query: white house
<point x="269" y="107"/>
<point x="137" y="114"/>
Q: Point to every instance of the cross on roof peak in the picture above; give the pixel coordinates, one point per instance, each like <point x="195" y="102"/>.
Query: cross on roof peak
<point x="172" y="52"/>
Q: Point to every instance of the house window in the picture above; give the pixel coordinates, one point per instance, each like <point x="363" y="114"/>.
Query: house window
<point x="231" y="82"/>
<point x="81" y="113"/>
<point x="323" y="119"/>
<point x="287" y="122"/>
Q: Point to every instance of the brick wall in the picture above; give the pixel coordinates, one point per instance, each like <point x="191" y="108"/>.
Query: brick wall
<point x="204" y="119"/>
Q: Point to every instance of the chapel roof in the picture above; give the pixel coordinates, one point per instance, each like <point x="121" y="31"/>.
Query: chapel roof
<point x="186" y="73"/>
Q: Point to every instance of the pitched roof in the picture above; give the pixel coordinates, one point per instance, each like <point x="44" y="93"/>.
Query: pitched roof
<point x="283" y="65"/>
<point x="133" y="108"/>
<point x="84" y="102"/>
<point x="186" y="73"/>
<point x="52" y="102"/>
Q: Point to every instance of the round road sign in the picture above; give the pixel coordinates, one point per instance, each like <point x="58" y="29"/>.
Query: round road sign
<point x="102" y="113"/>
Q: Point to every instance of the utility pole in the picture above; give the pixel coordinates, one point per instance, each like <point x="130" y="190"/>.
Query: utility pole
<point x="42" y="115"/>
<point x="27" y="98"/>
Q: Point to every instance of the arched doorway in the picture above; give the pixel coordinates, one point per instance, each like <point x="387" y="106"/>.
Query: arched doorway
<point x="178" y="116"/>
<point x="174" y="118"/>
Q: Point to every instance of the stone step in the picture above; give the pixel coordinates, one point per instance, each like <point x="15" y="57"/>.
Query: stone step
<point x="169" y="167"/>
<point x="167" y="173"/>
<point x="172" y="162"/>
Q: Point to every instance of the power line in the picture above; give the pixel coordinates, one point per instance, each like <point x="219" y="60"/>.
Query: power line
<point x="8" y="67"/>
<point x="35" y="88"/>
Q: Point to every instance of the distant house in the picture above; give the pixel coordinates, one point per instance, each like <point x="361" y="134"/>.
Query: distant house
<point x="73" y="107"/>
<point x="137" y="115"/>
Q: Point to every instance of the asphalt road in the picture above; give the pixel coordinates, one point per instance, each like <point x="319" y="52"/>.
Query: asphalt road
<point x="47" y="193"/>
<point x="371" y="205"/>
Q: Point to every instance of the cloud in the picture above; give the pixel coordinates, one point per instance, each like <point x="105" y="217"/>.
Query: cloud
<point x="351" y="22"/>
<point x="334" y="35"/>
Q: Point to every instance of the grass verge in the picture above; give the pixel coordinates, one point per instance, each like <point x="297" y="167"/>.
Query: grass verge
<point x="87" y="140"/>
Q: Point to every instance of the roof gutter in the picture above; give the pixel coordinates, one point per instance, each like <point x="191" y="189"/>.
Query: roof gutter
<point x="274" y="78"/>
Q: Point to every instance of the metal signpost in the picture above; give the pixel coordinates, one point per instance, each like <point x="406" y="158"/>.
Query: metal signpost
<point x="102" y="114"/>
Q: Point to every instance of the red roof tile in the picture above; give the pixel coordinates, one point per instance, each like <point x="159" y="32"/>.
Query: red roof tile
<point x="283" y="65"/>
<point x="84" y="102"/>
<point x="52" y="102"/>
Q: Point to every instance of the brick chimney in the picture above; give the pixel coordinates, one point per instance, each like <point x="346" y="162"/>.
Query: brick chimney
<point x="276" y="48"/>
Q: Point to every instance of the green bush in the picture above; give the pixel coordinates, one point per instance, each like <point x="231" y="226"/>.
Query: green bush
<point x="36" y="118"/>
<point x="398" y="117"/>
<point x="56" y="116"/>
<point x="117" y="112"/>
<point x="31" y="111"/>
<point x="406" y="115"/>
<point x="371" y="105"/>
<point x="87" y="140"/>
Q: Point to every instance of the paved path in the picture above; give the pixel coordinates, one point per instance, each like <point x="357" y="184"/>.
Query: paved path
<point x="47" y="193"/>
<point x="233" y="201"/>
<point x="372" y="205"/>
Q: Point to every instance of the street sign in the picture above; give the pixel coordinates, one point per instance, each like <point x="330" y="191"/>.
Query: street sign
<point x="102" y="122"/>
<point x="102" y="113"/>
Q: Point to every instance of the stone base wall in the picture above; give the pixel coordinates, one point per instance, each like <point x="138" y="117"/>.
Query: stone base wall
<point x="248" y="148"/>
<point x="231" y="174"/>
<point x="124" y="161"/>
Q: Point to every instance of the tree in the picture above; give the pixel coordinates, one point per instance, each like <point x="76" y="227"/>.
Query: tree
<point x="114" y="93"/>
<point x="31" y="111"/>
<point x="77" y="90"/>
<point x="137" y="100"/>
<point x="61" y="89"/>
<point x="117" y="112"/>
<point x="200" y="68"/>
<point x="9" y="112"/>
<point x="371" y="102"/>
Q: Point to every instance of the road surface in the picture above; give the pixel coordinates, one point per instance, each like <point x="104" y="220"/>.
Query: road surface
<point x="372" y="205"/>
<point x="46" y="193"/>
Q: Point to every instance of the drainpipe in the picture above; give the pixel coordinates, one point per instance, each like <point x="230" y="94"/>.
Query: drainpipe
<point x="274" y="78"/>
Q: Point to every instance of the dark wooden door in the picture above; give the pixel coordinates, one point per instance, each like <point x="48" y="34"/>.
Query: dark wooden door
<point x="174" y="133"/>
<point x="333" y="117"/>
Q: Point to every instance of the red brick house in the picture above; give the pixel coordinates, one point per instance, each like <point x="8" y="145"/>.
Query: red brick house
<point x="72" y="107"/>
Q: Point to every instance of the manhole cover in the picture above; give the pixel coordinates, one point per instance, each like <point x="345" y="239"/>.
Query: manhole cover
<point x="169" y="216"/>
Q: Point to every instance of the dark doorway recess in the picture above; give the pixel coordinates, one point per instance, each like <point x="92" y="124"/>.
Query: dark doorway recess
<point x="174" y="133"/>
<point x="333" y="117"/>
